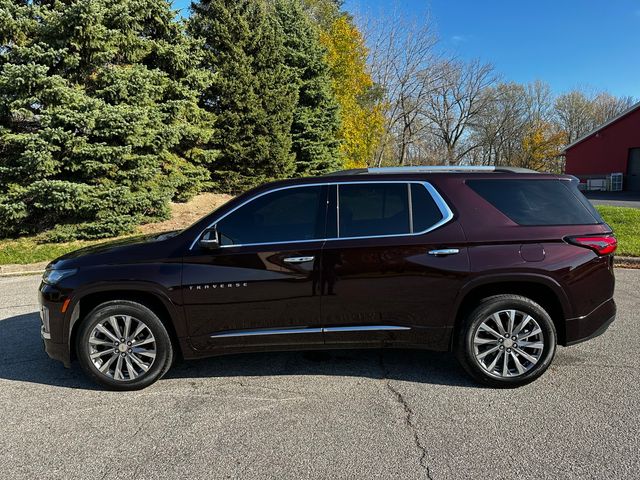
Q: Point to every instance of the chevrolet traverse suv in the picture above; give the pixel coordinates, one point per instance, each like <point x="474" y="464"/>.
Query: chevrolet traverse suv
<point x="498" y="265"/>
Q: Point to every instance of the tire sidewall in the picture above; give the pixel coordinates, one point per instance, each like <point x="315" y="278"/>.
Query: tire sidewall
<point x="164" y="350"/>
<point x="522" y="304"/>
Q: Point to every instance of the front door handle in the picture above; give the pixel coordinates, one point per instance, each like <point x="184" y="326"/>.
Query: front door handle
<point x="443" y="252"/>
<point x="299" y="259"/>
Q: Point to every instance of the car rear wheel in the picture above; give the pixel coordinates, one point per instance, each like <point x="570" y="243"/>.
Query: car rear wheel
<point x="507" y="341"/>
<point x="123" y="345"/>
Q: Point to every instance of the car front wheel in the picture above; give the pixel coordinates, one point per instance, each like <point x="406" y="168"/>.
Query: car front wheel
<point x="507" y="341"/>
<point x="123" y="345"/>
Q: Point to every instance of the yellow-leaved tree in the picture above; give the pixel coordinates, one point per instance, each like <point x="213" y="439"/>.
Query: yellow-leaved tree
<point x="542" y="147"/>
<point x="361" y="112"/>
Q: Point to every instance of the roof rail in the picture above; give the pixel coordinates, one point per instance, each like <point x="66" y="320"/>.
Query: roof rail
<point x="515" y="170"/>
<point x="434" y="168"/>
<point x="351" y="171"/>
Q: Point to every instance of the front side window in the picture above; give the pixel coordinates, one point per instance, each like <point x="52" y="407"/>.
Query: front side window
<point x="292" y="214"/>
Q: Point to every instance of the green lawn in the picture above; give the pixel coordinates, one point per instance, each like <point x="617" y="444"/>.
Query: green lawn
<point x="626" y="225"/>
<point x="28" y="250"/>
<point x="624" y="221"/>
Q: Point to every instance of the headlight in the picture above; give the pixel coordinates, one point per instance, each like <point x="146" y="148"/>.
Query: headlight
<point x="54" y="276"/>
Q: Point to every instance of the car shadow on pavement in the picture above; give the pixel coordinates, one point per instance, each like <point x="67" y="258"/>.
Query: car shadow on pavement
<point x="419" y="366"/>
<point x="22" y="358"/>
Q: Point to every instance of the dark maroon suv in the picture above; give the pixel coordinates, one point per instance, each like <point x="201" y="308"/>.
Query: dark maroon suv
<point x="496" y="264"/>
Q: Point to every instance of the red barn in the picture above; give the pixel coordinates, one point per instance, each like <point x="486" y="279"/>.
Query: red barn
<point x="612" y="148"/>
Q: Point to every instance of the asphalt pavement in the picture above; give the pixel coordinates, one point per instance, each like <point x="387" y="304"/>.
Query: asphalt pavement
<point x="615" y="199"/>
<point x="340" y="414"/>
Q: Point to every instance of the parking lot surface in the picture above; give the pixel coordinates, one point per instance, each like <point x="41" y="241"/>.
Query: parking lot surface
<point x="340" y="414"/>
<point x="615" y="199"/>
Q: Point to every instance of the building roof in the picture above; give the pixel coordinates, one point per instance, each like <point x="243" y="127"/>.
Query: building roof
<point x="629" y="110"/>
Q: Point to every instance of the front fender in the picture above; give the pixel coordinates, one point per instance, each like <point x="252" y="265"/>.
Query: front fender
<point x="110" y="283"/>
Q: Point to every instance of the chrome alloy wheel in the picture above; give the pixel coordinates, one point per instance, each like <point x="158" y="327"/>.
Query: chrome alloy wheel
<point x="122" y="347"/>
<point x="508" y="343"/>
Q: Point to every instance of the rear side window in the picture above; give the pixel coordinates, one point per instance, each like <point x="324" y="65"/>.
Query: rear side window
<point x="378" y="209"/>
<point x="373" y="209"/>
<point x="537" y="202"/>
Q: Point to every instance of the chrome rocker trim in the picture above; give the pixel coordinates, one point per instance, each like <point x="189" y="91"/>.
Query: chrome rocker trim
<point x="289" y="331"/>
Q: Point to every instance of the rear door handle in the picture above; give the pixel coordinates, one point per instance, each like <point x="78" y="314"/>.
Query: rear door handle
<point x="443" y="252"/>
<point x="299" y="259"/>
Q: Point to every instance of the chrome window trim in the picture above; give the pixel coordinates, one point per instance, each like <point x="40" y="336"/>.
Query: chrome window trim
<point x="447" y="213"/>
<point x="337" y="190"/>
<point x="291" y="331"/>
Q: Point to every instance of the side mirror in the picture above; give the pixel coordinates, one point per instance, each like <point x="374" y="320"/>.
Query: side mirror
<point x="209" y="239"/>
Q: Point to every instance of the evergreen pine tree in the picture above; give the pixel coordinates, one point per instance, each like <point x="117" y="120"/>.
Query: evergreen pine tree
<point x="253" y="94"/>
<point x="99" y="116"/>
<point x="316" y="120"/>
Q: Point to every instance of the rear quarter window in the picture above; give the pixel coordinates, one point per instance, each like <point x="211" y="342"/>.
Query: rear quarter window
<point x="537" y="202"/>
<point x="425" y="211"/>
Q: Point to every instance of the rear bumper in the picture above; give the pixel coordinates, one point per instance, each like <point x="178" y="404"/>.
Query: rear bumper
<point x="592" y="325"/>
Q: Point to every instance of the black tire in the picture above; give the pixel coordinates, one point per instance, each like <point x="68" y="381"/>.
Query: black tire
<point x="163" y="346"/>
<point x="465" y="351"/>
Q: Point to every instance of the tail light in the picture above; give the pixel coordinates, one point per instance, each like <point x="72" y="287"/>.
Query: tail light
<point x="602" y="244"/>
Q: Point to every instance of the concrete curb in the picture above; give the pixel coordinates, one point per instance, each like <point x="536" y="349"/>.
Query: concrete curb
<point x="38" y="268"/>
<point x="16" y="270"/>
<point x="626" y="262"/>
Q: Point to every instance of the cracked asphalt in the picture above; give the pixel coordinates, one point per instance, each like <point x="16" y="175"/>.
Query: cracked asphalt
<point x="338" y="414"/>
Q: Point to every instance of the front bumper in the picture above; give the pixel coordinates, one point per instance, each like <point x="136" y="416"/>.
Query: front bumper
<point x="592" y="325"/>
<point x="56" y="351"/>
<point x="52" y="322"/>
